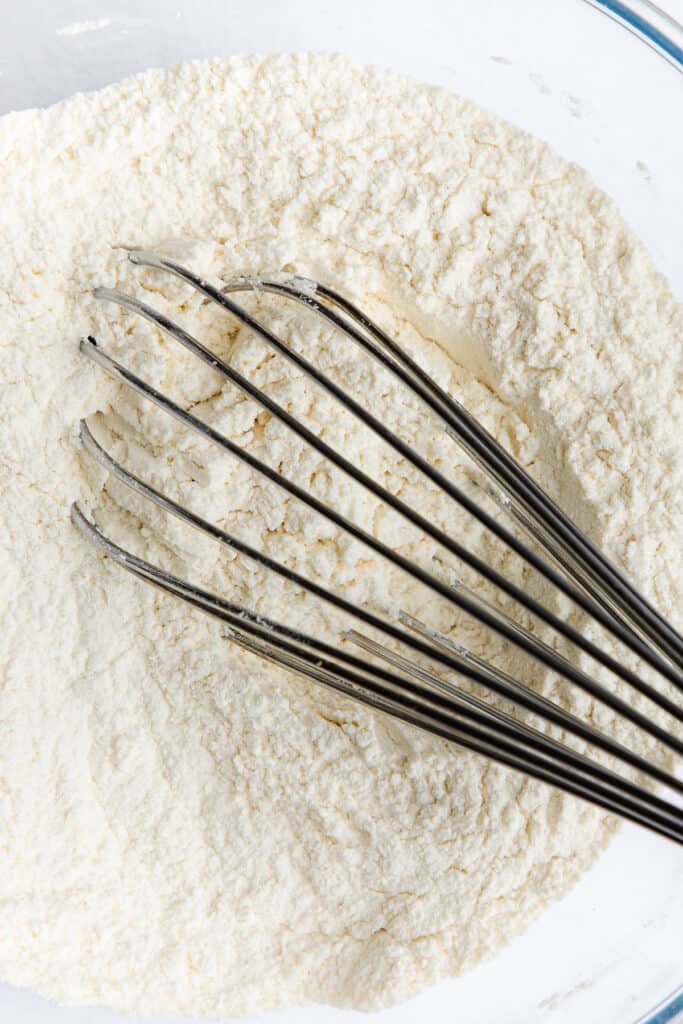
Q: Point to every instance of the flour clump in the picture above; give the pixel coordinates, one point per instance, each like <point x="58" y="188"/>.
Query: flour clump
<point x="183" y="829"/>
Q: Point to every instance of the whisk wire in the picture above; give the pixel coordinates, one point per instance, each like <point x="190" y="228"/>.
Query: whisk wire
<point x="503" y="685"/>
<point x="408" y="690"/>
<point x="544" y="654"/>
<point x="488" y="454"/>
<point x="319" y="661"/>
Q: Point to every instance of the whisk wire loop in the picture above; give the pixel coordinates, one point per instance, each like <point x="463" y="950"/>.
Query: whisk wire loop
<point x="399" y="685"/>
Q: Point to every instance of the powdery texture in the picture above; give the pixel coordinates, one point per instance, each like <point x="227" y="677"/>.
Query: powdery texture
<point x="182" y="828"/>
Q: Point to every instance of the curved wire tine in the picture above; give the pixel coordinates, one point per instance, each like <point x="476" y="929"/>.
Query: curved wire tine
<point x="542" y="653"/>
<point x="577" y="594"/>
<point x="519" y="693"/>
<point x="272" y="640"/>
<point x="612" y="582"/>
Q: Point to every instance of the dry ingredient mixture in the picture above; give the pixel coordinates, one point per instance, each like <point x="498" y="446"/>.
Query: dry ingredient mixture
<point x="183" y="828"/>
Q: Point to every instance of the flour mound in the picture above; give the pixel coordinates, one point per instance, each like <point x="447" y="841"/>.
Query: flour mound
<point x="183" y="828"/>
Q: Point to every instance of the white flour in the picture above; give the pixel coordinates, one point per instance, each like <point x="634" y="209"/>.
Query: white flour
<point x="181" y="828"/>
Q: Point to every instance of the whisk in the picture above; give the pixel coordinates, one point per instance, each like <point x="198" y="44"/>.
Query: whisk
<point x="398" y="681"/>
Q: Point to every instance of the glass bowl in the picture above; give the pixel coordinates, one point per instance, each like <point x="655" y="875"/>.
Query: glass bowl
<point x="611" y="950"/>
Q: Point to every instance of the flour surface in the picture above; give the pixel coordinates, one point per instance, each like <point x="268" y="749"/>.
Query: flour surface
<point x="181" y="827"/>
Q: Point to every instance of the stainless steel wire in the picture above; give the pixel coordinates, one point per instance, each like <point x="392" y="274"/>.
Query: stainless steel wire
<point x="409" y="690"/>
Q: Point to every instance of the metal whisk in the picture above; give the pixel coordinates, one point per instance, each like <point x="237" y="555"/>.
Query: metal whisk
<point x="398" y="682"/>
